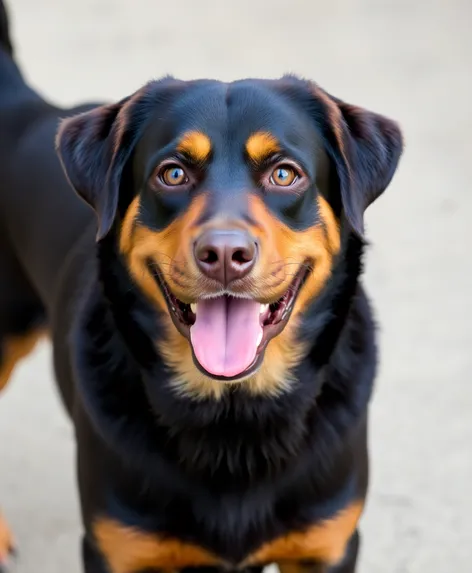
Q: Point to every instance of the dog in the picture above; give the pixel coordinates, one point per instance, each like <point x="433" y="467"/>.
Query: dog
<point x="212" y="341"/>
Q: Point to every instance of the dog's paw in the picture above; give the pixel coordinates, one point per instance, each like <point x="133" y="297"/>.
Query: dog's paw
<point x="7" y="548"/>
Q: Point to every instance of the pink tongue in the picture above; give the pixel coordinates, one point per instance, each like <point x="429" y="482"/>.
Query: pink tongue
<point x="225" y="334"/>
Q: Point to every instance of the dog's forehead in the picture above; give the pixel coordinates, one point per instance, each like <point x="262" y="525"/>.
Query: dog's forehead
<point x="231" y="112"/>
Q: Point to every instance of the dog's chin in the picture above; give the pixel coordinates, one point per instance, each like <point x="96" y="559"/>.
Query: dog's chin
<point x="229" y="334"/>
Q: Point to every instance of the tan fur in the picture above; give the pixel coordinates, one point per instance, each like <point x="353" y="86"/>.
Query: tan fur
<point x="196" y="145"/>
<point x="6" y="540"/>
<point x="325" y="542"/>
<point x="302" y="567"/>
<point x="282" y="252"/>
<point x="261" y="145"/>
<point x="129" y="550"/>
<point x="14" y="348"/>
<point x="169" y="249"/>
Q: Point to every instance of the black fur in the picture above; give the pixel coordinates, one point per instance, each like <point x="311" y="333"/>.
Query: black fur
<point x="5" y="40"/>
<point x="227" y="475"/>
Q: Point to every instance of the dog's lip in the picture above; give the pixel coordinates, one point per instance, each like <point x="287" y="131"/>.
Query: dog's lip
<point x="283" y="306"/>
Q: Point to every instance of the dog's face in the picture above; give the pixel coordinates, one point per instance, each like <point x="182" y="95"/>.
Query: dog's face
<point x="228" y="201"/>
<point x="228" y="232"/>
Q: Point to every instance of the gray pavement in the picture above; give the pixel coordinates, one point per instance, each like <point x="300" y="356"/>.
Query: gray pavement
<point x="411" y="60"/>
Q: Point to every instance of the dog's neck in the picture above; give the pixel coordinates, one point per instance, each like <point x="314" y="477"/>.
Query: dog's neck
<point x="240" y="437"/>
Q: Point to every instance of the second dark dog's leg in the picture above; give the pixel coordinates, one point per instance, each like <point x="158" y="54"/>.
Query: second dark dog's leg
<point x="91" y="559"/>
<point x="349" y="562"/>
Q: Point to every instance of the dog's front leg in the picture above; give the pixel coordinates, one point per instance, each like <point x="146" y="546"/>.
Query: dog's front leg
<point x="92" y="561"/>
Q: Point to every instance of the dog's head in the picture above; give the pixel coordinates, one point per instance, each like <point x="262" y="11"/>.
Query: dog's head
<point x="229" y="203"/>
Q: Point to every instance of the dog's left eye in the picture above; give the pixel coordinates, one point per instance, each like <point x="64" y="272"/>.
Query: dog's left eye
<point x="173" y="175"/>
<point x="283" y="176"/>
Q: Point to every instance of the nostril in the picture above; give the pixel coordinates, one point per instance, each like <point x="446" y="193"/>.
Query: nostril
<point x="209" y="256"/>
<point x="242" y="256"/>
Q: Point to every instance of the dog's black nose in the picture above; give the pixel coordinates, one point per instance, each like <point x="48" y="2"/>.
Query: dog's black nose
<point x="225" y="255"/>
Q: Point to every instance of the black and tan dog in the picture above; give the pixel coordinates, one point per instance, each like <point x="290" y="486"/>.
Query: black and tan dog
<point x="211" y="340"/>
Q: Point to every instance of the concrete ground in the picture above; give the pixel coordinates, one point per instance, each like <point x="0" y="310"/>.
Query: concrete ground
<point x="411" y="60"/>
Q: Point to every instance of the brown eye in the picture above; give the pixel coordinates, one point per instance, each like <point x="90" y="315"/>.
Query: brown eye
<point x="173" y="175"/>
<point x="283" y="176"/>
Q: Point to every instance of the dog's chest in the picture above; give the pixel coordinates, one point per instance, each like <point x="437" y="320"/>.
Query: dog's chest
<point x="234" y="542"/>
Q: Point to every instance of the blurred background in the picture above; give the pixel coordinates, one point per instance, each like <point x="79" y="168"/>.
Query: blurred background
<point x="411" y="60"/>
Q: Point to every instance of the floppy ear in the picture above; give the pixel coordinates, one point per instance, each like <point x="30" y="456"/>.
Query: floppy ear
<point x="365" y="148"/>
<point x="94" y="147"/>
<point x="88" y="146"/>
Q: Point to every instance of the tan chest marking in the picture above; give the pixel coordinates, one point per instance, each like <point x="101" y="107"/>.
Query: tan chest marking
<point x="128" y="550"/>
<point x="325" y="541"/>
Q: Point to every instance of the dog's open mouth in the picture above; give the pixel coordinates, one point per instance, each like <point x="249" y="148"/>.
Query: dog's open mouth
<point x="229" y="334"/>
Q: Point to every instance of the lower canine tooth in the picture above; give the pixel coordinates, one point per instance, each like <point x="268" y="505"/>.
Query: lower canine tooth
<point x="193" y="308"/>
<point x="264" y="307"/>
<point x="259" y="340"/>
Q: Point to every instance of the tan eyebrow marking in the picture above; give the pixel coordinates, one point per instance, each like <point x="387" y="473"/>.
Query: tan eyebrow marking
<point x="195" y="144"/>
<point x="260" y="145"/>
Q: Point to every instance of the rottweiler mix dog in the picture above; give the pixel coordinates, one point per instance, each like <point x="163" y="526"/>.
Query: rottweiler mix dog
<point x="212" y="343"/>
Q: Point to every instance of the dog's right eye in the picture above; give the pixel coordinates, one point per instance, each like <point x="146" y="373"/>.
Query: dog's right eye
<point x="173" y="176"/>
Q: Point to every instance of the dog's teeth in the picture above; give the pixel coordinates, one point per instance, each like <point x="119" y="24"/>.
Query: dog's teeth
<point x="259" y="340"/>
<point x="264" y="308"/>
<point x="193" y="307"/>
